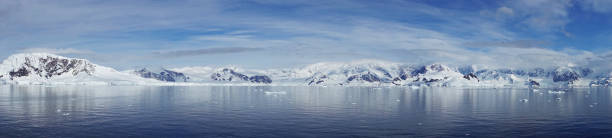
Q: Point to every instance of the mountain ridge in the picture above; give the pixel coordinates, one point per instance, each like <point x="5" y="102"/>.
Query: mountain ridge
<point x="43" y="68"/>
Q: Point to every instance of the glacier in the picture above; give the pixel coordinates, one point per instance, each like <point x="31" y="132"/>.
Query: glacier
<point x="51" y="69"/>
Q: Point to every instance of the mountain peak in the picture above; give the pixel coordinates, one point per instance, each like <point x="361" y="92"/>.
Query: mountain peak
<point x="44" y="65"/>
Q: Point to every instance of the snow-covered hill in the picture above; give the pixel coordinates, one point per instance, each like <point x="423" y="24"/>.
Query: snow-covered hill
<point x="227" y="75"/>
<point x="161" y="74"/>
<point x="382" y="73"/>
<point x="40" y="68"/>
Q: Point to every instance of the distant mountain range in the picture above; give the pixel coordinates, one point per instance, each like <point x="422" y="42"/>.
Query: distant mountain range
<point x="49" y="69"/>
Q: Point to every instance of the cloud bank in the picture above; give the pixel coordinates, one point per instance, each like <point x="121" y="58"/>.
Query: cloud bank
<point x="207" y="51"/>
<point x="268" y="33"/>
<point x="56" y="51"/>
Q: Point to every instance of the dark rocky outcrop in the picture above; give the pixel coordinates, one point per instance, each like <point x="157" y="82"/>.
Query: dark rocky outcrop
<point x="317" y="80"/>
<point x="19" y="73"/>
<point x="533" y="83"/>
<point x="260" y="79"/>
<point x="568" y="76"/>
<point x="49" y="66"/>
<point x="231" y="75"/>
<point x="470" y="76"/>
<point x="163" y="75"/>
<point x="369" y="77"/>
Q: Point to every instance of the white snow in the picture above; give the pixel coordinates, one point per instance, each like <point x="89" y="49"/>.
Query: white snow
<point x="324" y="74"/>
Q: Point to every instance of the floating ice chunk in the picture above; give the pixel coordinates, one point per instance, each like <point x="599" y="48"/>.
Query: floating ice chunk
<point x="524" y="100"/>
<point x="66" y="114"/>
<point x="414" y="87"/>
<point x="58" y="110"/>
<point x="559" y="91"/>
<point x="353" y="103"/>
<point x="535" y="90"/>
<point x="558" y="99"/>
<point x="591" y="106"/>
<point x="275" y="93"/>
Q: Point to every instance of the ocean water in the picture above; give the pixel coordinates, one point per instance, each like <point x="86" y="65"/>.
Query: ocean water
<point x="240" y="111"/>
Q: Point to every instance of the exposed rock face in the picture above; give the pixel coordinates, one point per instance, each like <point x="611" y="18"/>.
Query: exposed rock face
<point x="565" y="75"/>
<point x="19" y="73"/>
<point x="533" y="83"/>
<point x="368" y="77"/>
<point x="163" y="75"/>
<point x="231" y="75"/>
<point x="381" y="74"/>
<point x="603" y="82"/>
<point x="470" y="76"/>
<point x="47" y="66"/>
<point x="316" y="79"/>
<point x="260" y="79"/>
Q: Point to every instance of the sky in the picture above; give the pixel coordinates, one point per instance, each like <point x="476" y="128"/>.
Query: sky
<point x="287" y="33"/>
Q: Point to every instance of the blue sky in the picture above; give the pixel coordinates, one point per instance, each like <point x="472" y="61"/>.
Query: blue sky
<point x="281" y="33"/>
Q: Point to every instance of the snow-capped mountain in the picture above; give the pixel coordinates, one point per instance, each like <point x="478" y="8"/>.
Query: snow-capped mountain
<point x="42" y="68"/>
<point x="376" y="73"/>
<point x="388" y="73"/>
<point x="229" y="75"/>
<point x="162" y="74"/>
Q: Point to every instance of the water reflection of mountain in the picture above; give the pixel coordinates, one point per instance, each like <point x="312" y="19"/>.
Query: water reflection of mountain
<point x="274" y="111"/>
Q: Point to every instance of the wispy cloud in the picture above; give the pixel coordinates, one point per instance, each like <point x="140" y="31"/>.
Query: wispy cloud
<point x="206" y="51"/>
<point x="56" y="51"/>
<point x="290" y="31"/>
<point x="511" y="44"/>
<point x="603" y="6"/>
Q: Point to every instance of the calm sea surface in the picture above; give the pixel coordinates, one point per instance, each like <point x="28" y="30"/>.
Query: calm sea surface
<point x="139" y="111"/>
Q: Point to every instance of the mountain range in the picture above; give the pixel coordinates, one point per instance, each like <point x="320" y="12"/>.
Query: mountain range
<point x="50" y="69"/>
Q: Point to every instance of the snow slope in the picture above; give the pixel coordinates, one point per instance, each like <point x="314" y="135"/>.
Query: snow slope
<point x="41" y="68"/>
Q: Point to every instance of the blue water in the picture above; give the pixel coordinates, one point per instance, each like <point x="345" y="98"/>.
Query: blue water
<point x="139" y="111"/>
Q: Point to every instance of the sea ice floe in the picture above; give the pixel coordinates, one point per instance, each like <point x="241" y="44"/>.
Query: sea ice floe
<point x="275" y="93"/>
<point x="559" y="91"/>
